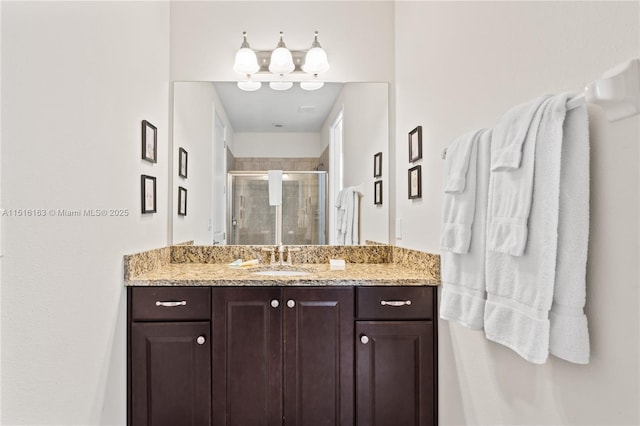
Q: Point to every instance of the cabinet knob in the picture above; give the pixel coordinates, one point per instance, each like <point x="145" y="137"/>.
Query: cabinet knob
<point x="364" y="339"/>
<point x="291" y="303"/>
<point x="275" y="303"/>
<point x="200" y="340"/>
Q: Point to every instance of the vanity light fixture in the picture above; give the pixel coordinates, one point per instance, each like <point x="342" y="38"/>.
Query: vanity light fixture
<point x="281" y="85"/>
<point x="281" y="59"/>
<point x="311" y="85"/>
<point x="246" y="60"/>
<point x="280" y="66"/>
<point x="249" y="85"/>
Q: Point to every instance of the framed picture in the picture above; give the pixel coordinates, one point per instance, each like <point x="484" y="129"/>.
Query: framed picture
<point x="415" y="144"/>
<point x="415" y="182"/>
<point x="182" y="201"/>
<point x="377" y="165"/>
<point x="148" y="196"/>
<point x="182" y="165"/>
<point x="377" y="192"/>
<point x="149" y="142"/>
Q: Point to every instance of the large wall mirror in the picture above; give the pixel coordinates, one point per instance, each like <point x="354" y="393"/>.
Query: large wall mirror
<point x="226" y="139"/>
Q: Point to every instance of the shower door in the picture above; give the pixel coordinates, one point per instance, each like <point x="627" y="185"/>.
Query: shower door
<point x="252" y="221"/>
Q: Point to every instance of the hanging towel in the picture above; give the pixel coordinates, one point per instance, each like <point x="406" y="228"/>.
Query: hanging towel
<point x="510" y="189"/>
<point x="520" y="288"/>
<point x="275" y="187"/>
<point x="510" y="133"/>
<point x="347" y="219"/>
<point x="457" y="162"/>
<point x="463" y="278"/>
<point x="569" y="337"/>
<point x="459" y="203"/>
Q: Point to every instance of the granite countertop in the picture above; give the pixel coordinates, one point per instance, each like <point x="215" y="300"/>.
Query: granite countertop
<point x="208" y="266"/>
<point x="357" y="274"/>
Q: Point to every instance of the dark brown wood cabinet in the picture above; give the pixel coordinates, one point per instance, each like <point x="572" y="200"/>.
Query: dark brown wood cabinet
<point x="169" y="368"/>
<point x="283" y="356"/>
<point x="201" y="356"/>
<point x="396" y="356"/>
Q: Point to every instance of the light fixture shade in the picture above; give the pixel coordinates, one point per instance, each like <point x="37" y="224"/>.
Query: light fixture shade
<point x="311" y="85"/>
<point x="281" y="85"/>
<point x="246" y="61"/>
<point x="315" y="61"/>
<point x="281" y="61"/>
<point x="249" y="86"/>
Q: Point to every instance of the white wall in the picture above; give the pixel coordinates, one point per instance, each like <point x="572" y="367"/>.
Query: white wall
<point x="77" y="80"/>
<point x="285" y="145"/>
<point x="357" y="35"/>
<point x="365" y="122"/>
<point x="459" y="66"/>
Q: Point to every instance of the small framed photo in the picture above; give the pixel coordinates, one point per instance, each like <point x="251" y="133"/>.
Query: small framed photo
<point x="182" y="162"/>
<point x="377" y="165"/>
<point x="182" y="201"/>
<point x="415" y="144"/>
<point x="149" y="142"/>
<point x="148" y="193"/>
<point x="415" y="182"/>
<point x="377" y="192"/>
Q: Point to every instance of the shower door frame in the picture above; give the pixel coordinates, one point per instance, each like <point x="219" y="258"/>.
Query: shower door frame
<point x="278" y="225"/>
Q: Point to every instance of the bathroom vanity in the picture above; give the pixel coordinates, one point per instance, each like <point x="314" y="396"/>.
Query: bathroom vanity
<point x="225" y="346"/>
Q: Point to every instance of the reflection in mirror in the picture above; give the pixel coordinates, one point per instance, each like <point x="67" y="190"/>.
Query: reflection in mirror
<point x="337" y="129"/>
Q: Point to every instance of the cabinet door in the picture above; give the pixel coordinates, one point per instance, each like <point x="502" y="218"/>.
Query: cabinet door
<point x="318" y="364"/>
<point x="171" y="374"/>
<point x="395" y="365"/>
<point x="247" y="356"/>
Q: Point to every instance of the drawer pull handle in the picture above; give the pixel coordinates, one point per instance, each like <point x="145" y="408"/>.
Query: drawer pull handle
<point x="171" y="304"/>
<point x="291" y="303"/>
<point x="200" y="340"/>
<point x="364" y="339"/>
<point x="275" y="303"/>
<point x="395" y="302"/>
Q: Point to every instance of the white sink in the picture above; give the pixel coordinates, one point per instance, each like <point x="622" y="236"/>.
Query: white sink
<point x="281" y="273"/>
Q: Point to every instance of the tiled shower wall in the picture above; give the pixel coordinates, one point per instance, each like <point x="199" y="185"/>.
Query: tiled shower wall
<point x="287" y="164"/>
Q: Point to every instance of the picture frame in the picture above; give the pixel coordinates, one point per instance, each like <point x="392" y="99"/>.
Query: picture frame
<point x="377" y="165"/>
<point x="415" y="182"/>
<point x="149" y="142"/>
<point x="377" y="193"/>
<point x="182" y="201"/>
<point x="148" y="194"/>
<point x="182" y="162"/>
<point x="415" y="144"/>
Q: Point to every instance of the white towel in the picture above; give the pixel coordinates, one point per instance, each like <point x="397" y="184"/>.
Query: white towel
<point x="511" y="188"/>
<point x="457" y="162"/>
<point x="463" y="279"/>
<point x="275" y="187"/>
<point x="569" y="337"/>
<point x="460" y="193"/>
<point x="347" y="219"/>
<point x="520" y="288"/>
<point x="510" y="133"/>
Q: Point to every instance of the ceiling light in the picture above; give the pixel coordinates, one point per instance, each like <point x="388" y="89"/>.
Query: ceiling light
<point x="281" y="85"/>
<point x="281" y="59"/>
<point x="246" y="60"/>
<point x="249" y="86"/>
<point x="311" y="85"/>
<point x="315" y="61"/>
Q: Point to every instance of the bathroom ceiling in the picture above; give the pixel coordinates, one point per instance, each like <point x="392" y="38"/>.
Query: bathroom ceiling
<point x="265" y="110"/>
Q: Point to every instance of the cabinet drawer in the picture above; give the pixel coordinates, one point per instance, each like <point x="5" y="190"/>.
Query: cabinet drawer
<point x="170" y="303"/>
<point x="395" y="302"/>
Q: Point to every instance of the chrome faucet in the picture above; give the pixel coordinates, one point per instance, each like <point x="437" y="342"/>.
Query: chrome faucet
<point x="281" y="254"/>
